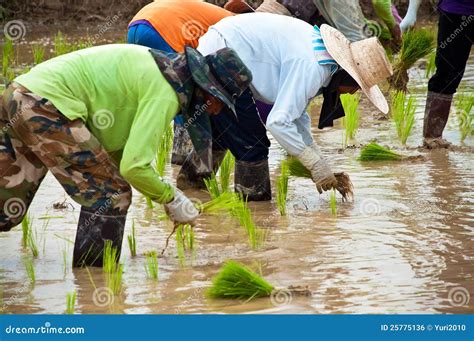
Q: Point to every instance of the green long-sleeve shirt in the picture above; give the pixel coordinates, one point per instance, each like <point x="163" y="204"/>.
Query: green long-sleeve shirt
<point x="124" y="100"/>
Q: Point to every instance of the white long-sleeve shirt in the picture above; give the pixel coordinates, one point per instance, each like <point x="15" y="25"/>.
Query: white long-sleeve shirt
<point x="278" y="50"/>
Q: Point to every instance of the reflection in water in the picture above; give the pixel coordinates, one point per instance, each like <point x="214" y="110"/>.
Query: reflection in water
<point x="401" y="247"/>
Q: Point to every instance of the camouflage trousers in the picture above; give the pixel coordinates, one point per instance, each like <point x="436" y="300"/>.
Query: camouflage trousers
<point x="34" y="138"/>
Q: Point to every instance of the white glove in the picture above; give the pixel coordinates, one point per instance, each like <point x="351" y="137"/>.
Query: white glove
<point x="321" y="173"/>
<point x="410" y="18"/>
<point x="181" y="210"/>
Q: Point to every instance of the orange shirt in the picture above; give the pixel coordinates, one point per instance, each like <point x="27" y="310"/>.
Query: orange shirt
<point x="181" y="22"/>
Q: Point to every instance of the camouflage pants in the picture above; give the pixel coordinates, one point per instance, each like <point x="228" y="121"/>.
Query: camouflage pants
<point x="34" y="138"/>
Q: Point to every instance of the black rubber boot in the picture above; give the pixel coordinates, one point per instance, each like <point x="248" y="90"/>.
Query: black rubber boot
<point x="189" y="177"/>
<point x="182" y="145"/>
<point x="92" y="232"/>
<point x="252" y="180"/>
<point x="436" y="116"/>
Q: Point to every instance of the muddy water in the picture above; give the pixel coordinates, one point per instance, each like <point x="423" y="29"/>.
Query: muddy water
<point x="405" y="245"/>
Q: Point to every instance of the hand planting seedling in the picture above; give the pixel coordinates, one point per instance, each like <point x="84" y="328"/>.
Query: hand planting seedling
<point x="151" y="265"/>
<point x="71" y="302"/>
<point x="282" y="188"/>
<point x="236" y="281"/>
<point x="416" y="44"/>
<point x="344" y="183"/>
<point x="350" y="122"/>
<point x="403" y="114"/>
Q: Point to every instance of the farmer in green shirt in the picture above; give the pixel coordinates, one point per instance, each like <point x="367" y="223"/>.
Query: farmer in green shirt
<point x="95" y="119"/>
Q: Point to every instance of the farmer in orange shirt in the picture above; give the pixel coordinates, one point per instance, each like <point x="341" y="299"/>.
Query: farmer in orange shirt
<point x="170" y="25"/>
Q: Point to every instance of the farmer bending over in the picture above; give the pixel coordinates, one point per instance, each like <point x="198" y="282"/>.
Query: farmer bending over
<point x="95" y="119"/>
<point x="170" y="26"/>
<point x="291" y="62"/>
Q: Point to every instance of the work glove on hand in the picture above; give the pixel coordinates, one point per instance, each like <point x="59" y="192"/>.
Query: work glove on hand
<point x="409" y="21"/>
<point x="181" y="210"/>
<point x="321" y="173"/>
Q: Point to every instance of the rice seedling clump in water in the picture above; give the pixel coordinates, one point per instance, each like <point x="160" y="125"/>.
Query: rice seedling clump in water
<point x="403" y="114"/>
<point x="212" y="186"/>
<point x="235" y="281"/>
<point x="30" y="271"/>
<point x="375" y="152"/>
<point x="132" y="241"/>
<point x="282" y="188"/>
<point x="151" y="265"/>
<point x="110" y="258"/>
<point x="71" y="302"/>
<point x="465" y="114"/>
<point x="351" y="120"/>
<point x="225" y="170"/>
<point x="333" y="203"/>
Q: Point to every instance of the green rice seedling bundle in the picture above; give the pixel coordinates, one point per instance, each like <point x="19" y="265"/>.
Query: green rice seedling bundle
<point x="430" y="64"/>
<point x="236" y="281"/>
<point x="8" y="57"/>
<point x="30" y="270"/>
<point x="212" y="186"/>
<point x="132" y="241"/>
<point x="282" y="188"/>
<point x="416" y="44"/>
<point x="164" y="150"/>
<point x="350" y="104"/>
<point x="332" y="203"/>
<point x="32" y="245"/>
<point x="26" y="230"/>
<point x="225" y="170"/>
<point x="71" y="302"/>
<point x="188" y="236"/>
<point x="223" y="203"/>
<point x="38" y="53"/>
<point x="296" y="168"/>
<point x="151" y="265"/>
<point x="180" y="248"/>
<point x="465" y="114"/>
<point x="375" y="152"/>
<point x="244" y="216"/>
<point x="110" y="258"/>
<point x="403" y="114"/>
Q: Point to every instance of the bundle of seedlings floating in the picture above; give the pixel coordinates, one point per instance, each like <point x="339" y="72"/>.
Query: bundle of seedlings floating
<point x="236" y="281"/>
<point x="71" y="302"/>
<point x="282" y="188"/>
<point x="375" y="152"/>
<point x="465" y="114"/>
<point x="344" y="183"/>
<point x="350" y="121"/>
<point x="416" y="44"/>
<point x="151" y="265"/>
<point x="403" y="114"/>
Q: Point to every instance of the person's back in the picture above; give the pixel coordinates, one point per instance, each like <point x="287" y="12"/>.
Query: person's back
<point x="181" y="22"/>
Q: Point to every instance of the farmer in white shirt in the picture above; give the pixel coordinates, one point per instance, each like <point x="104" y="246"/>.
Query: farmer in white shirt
<point x="290" y="66"/>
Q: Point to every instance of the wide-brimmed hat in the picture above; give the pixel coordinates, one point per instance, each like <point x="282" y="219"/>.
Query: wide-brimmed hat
<point x="272" y="6"/>
<point x="365" y="60"/>
<point x="221" y="74"/>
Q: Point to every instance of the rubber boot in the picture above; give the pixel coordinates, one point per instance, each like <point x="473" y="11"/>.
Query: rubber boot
<point x="182" y="145"/>
<point x="92" y="232"/>
<point x="252" y="180"/>
<point x="436" y="116"/>
<point x="189" y="177"/>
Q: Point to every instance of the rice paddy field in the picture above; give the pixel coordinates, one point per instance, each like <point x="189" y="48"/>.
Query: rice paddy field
<point x="405" y="244"/>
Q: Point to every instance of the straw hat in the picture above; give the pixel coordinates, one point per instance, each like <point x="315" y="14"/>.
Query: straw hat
<point x="365" y="60"/>
<point x="272" y="6"/>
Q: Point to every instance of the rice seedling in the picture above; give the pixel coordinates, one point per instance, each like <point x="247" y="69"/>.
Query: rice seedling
<point x="38" y="53"/>
<point x="32" y="245"/>
<point x="212" y="186"/>
<point x="225" y="170"/>
<point x="189" y="237"/>
<point x="60" y="44"/>
<point x="244" y="216"/>
<point x="30" y="270"/>
<point x="180" y="245"/>
<point x="350" y="122"/>
<point x="403" y="114"/>
<point x="164" y="150"/>
<point x="110" y="258"/>
<point x="224" y="203"/>
<point x="8" y="56"/>
<point x="132" y="241"/>
<point x="375" y="152"/>
<point x="465" y="115"/>
<point x="114" y="279"/>
<point x="26" y="230"/>
<point x="282" y="188"/>
<point x="332" y="203"/>
<point x="236" y="281"/>
<point x="65" y="257"/>
<point x="416" y="44"/>
<point x="151" y="265"/>
<point x="71" y="302"/>
<point x="430" y="64"/>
